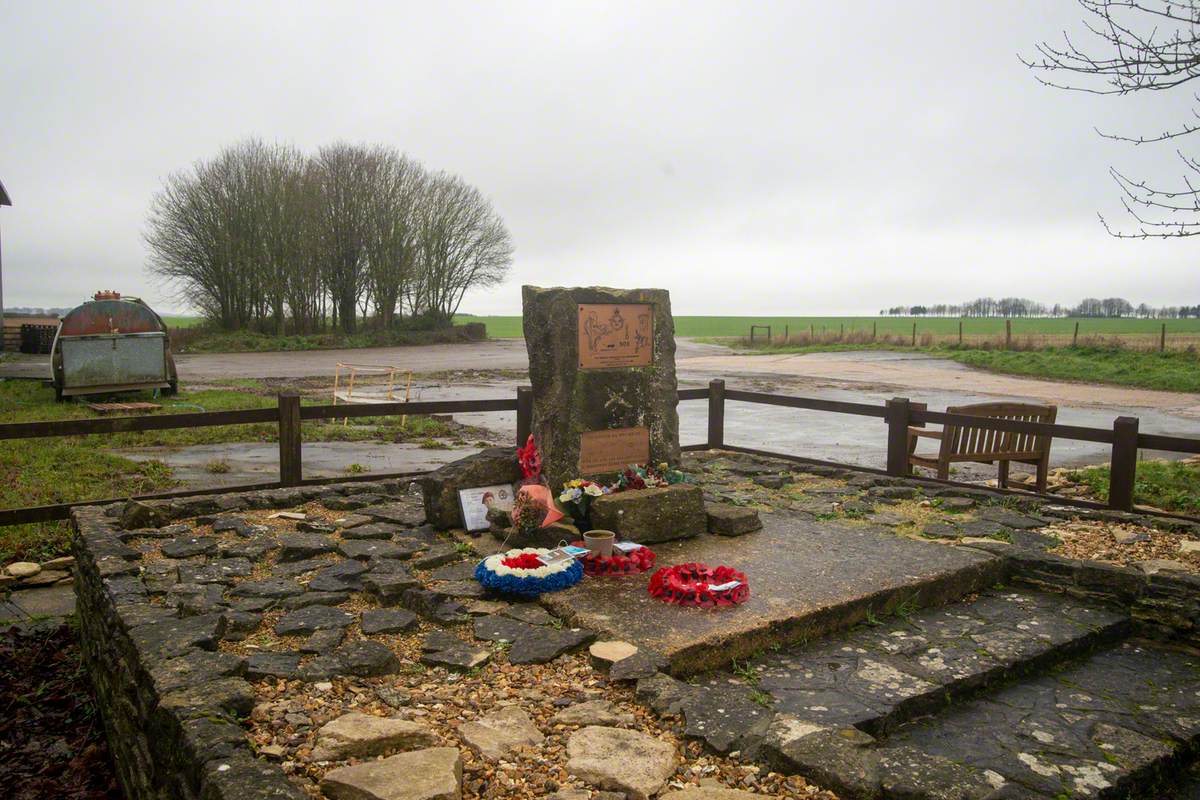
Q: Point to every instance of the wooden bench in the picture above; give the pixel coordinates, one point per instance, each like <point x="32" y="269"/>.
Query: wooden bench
<point x="985" y="445"/>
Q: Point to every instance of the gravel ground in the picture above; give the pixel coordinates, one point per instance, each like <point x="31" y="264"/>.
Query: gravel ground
<point x="289" y="713"/>
<point x="1098" y="541"/>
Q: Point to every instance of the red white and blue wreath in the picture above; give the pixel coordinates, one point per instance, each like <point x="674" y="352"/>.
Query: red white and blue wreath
<point x="523" y="572"/>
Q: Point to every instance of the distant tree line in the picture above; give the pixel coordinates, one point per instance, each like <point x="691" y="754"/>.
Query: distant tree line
<point x="1009" y="307"/>
<point x="268" y="238"/>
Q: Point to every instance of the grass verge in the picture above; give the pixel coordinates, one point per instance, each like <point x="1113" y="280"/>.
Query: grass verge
<point x="45" y="471"/>
<point x="1169" y="485"/>
<point x="204" y="340"/>
<point x="1173" y="370"/>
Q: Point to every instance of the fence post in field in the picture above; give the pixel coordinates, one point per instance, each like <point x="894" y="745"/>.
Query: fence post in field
<point x="716" y="413"/>
<point x="524" y="414"/>
<point x="290" y="470"/>
<point x="873" y="331"/>
<point x="897" y="418"/>
<point x="812" y="332"/>
<point x="960" y="333"/>
<point x="1162" y="339"/>
<point x="1008" y="334"/>
<point x="787" y="333"/>
<point x="842" y="335"/>
<point x="1075" y="336"/>
<point x="1123" y="467"/>
<point x="914" y="339"/>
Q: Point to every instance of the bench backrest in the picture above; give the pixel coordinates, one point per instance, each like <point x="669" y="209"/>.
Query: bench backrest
<point x="964" y="442"/>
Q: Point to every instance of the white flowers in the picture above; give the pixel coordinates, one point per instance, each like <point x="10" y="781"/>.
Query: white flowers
<point x="495" y="564"/>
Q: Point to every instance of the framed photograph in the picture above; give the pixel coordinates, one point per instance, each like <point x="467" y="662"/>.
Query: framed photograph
<point x="474" y="508"/>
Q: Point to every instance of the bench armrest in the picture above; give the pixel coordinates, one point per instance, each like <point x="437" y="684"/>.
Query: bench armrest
<point x="923" y="432"/>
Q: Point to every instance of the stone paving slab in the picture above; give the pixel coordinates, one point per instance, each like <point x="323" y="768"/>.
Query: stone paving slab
<point x="34" y="604"/>
<point x="875" y="677"/>
<point x="1098" y="729"/>
<point x="807" y="577"/>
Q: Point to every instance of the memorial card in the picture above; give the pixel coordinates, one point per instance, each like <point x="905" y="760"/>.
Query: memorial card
<point x="475" y="502"/>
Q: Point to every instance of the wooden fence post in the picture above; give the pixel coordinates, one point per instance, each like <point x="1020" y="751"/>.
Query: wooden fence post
<point x="1008" y="334"/>
<point x="914" y="341"/>
<point x="290" y="469"/>
<point x="897" y="418"/>
<point x="842" y="335"/>
<point x="524" y="414"/>
<point x="873" y="331"/>
<point x="1075" y="336"/>
<point x="1123" y="467"/>
<point x="716" y="413"/>
<point x="1162" y="339"/>
<point x="960" y="333"/>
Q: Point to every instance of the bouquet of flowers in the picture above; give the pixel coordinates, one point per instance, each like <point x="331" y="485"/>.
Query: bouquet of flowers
<point x="533" y="509"/>
<point x="647" y="476"/>
<point x="577" y="496"/>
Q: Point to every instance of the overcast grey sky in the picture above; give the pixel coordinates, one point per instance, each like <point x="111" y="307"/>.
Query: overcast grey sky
<point x="805" y="157"/>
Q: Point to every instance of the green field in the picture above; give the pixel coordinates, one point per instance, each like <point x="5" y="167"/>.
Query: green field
<point x="502" y="327"/>
<point x="715" y="327"/>
<point x="48" y="470"/>
<point x="182" y="322"/>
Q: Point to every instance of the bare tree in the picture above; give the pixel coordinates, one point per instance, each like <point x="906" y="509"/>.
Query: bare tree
<point x="1136" y="46"/>
<point x="392" y="244"/>
<point x="464" y="244"/>
<point x="201" y="233"/>
<point x="345" y="174"/>
<point x="282" y="196"/>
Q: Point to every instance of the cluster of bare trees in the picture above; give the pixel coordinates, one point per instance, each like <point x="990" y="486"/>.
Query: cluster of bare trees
<point x="1009" y="307"/>
<point x="266" y="237"/>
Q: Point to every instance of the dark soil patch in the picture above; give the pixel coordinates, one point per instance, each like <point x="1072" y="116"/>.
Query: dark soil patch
<point x="51" y="737"/>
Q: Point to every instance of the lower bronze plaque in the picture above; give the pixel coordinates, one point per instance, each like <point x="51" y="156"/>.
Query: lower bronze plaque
<point x="612" y="450"/>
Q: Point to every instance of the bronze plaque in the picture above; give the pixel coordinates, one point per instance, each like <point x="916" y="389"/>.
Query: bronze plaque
<point x="615" y="335"/>
<point x="612" y="450"/>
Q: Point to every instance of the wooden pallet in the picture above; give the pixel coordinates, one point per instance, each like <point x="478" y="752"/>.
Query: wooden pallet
<point x="123" y="408"/>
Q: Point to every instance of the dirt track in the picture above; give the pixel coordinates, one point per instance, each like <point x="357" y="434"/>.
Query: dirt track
<point x="914" y="374"/>
<point x="920" y="373"/>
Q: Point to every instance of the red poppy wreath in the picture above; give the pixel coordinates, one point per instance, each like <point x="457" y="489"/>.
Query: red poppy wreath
<point x="631" y="563"/>
<point x="699" y="585"/>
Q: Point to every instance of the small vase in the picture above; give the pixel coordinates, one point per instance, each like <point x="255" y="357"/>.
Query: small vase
<point x="599" y="542"/>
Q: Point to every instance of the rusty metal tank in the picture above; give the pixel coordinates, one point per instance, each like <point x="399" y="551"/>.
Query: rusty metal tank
<point x="111" y="344"/>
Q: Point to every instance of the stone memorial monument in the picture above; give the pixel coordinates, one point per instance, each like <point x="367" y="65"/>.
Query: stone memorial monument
<point x="602" y="366"/>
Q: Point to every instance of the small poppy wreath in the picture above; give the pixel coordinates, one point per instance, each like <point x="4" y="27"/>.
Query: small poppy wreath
<point x="520" y="572"/>
<point x="631" y="563"/>
<point x="689" y="585"/>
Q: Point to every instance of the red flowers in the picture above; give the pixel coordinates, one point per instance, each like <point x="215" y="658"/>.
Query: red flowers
<point x="523" y="561"/>
<point x="691" y="585"/>
<point x="530" y="460"/>
<point x="635" y="561"/>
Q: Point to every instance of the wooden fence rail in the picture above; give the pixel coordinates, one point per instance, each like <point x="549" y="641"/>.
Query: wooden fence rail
<point x="898" y="414"/>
